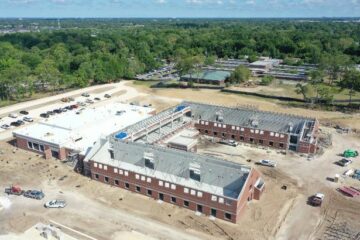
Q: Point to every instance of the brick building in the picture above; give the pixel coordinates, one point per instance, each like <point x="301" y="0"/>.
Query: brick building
<point x="204" y="184"/>
<point x="281" y="131"/>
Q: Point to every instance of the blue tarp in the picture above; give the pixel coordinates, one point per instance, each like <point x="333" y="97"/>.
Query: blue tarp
<point x="121" y="135"/>
<point x="179" y="108"/>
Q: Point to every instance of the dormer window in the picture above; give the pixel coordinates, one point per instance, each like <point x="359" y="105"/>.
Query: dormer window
<point x="194" y="171"/>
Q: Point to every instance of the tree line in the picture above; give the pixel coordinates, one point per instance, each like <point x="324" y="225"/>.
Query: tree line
<point x="81" y="55"/>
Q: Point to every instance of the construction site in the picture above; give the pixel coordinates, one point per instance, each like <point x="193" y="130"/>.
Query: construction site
<point x="155" y="164"/>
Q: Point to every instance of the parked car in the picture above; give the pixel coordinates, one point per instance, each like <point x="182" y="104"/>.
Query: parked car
<point x="229" y="142"/>
<point x="107" y="96"/>
<point x="267" y="163"/>
<point x="85" y="95"/>
<point x="13" y="115"/>
<point x="71" y="99"/>
<point x="97" y="99"/>
<point x="317" y="199"/>
<point x="74" y="106"/>
<point x="55" y="204"/>
<point x="344" y="162"/>
<point x="64" y="109"/>
<point x="23" y="112"/>
<point x="15" y="124"/>
<point x="35" y="194"/>
<point x="28" y="119"/>
<point x="81" y="104"/>
<point x="89" y="101"/>
<point x="65" y="99"/>
<point x="5" y="126"/>
<point x="58" y="110"/>
<point x="44" y="115"/>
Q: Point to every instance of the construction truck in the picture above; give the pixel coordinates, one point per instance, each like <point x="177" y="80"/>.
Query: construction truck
<point x="317" y="199"/>
<point x="14" y="190"/>
<point x="350" y="153"/>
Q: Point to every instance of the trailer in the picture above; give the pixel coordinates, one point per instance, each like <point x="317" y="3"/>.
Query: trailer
<point x="14" y="190"/>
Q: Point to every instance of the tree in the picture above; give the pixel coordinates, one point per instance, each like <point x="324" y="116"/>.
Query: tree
<point x="351" y="81"/>
<point x="240" y="74"/>
<point x="267" y="80"/>
<point x="302" y="89"/>
<point x="48" y="73"/>
<point x="316" y="78"/>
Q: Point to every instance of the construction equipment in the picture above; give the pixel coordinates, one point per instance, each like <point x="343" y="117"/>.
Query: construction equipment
<point x="14" y="190"/>
<point x="350" y="153"/>
<point x="317" y="199"/>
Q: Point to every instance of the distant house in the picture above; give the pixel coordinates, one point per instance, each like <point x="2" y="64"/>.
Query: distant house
<point x="207" y="77"/>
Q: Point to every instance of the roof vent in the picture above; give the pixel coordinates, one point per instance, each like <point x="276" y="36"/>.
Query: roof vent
<point x="194" y="171"/>
<point x="291" y="126"/>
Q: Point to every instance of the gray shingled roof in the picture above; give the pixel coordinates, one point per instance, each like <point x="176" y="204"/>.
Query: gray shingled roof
<point x="243" y="117"/>
<point x="214" y="171"/>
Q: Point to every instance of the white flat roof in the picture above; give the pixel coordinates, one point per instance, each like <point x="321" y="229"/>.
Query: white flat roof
<point x="79" y="131"/>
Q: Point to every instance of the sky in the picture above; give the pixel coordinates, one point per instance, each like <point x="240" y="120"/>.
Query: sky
<point x="179" y="8"/>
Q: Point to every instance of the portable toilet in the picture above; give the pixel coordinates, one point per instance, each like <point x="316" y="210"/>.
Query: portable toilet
<point x="336" y="178"/>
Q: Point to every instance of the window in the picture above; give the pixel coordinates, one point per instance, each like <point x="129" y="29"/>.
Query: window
<point x="241" y="138"/>
<point x="100" y="166"/>
<point x="202" y="122"/>
<point x="193" y="192"/>
<point x="138" y="189"/>
<point x="232" y="127"/>
<point x="161" y="196"/>
<point x="115" y="170"/>
<point x="213" y="212"/>
<point x="221" y="200"/>
<point x="271" y="134"/>
<point x="106" y="179"/>
<point x="276" y="135"/>
<point x="173" y="199"/>
<point x="281" y="145"/>
<point x="36" y="146"/>
<point x="161" y="183"/>
<point x="186" y="190"/>
<point x="137" y="176"/>
<point x="238" y="128"/>
<point x="228" y="202"/>
<point x="223" y="134"/>
<point x="116" y="182"/>
<point x="96" y="176"/>
<point x="206" y="123"/>
<point x="186" y="203"/>
<point x="257" y="131"/>
<point x="215" y="133"/>
<point x="271" y="144"/>
<point x="143" y="178"/>
<point x="167" y="185"/>
<point x="252" y="130"/>
<point x="281" y="135"/>
<point x="199" y="194"/>
<point x="121" y="172"/>
<point x="261" y="141"/>
<point x="206" y="131"/>
<point x="251" y="140"/>
<point x="111" y="154"/>
<point x="149" y="192"/>
<point x="173" y="186"/>
<point x="215" y="124"/>
<point x="127" y="185"/>
<point x="148" y="180"/>
<point x="261" y="132"/>
<point x="227" y="216"/>
<point x="233" y="136"/>
<point x="95" y="164"/>
<point x="199" y="208"/>
<point x="213" y="198"/>
<point x="30" y="144"/>
<point x="126" y="173"/>
<point x="105" y="167"/>
<point x="224" y="126"/>
<point x="242" y="129"/>
<point x="42" y="148"/>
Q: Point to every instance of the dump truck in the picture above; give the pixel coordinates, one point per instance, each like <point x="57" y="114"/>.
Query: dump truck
<point x="350" y="153"/>
<point x="317" y="199"/>
<point x="14" y="190"/>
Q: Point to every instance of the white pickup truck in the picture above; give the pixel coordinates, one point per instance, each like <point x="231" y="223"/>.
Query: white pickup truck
<point x="55" y="204"/>
<point x="267" y="163"/>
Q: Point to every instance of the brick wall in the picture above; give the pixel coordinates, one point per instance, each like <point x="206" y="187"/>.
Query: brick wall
<point x="229" y="206"/>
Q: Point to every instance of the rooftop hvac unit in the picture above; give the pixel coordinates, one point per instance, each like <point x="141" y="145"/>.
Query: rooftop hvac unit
<point x="219" y="116"/>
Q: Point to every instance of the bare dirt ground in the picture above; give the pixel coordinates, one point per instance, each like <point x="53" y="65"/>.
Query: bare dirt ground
<point x="105" y="212"/>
